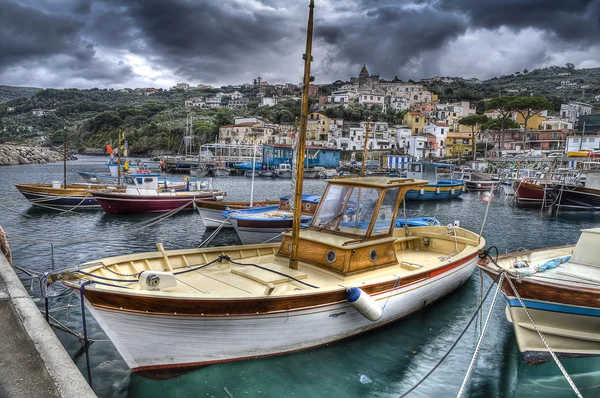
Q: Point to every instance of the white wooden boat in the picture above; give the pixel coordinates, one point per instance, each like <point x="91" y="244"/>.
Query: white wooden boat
<point x="247" y="303"/>
<point x="210" y="211"/>
<point x="560" y="287"/>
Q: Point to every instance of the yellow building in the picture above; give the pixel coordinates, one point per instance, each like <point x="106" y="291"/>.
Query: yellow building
<point x="415" y="121"/>
<point x="534" y="123"/>
<point x="318" y="127"/>
<point x="458" y="144"/>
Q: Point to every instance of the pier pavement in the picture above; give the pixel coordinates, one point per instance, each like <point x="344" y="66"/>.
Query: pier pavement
<point x="33" y="362"/>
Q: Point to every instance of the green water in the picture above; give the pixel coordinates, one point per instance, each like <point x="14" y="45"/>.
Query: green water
<point x="382" y="363"/>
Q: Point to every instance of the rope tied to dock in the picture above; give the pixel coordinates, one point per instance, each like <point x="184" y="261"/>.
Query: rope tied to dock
<point x="4" y="246"/>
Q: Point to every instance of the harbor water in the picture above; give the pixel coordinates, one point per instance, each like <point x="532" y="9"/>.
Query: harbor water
<point x="382" y="363"/>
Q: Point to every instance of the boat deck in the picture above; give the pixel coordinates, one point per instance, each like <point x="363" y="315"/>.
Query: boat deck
<point x="565" y="274"/>
<point x="272" y="277"/>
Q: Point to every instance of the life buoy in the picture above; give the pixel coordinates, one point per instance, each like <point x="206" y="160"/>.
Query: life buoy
<point x="528" y="180"/>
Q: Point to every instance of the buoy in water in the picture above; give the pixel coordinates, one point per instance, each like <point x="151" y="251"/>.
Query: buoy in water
<point x="363" y="303"/>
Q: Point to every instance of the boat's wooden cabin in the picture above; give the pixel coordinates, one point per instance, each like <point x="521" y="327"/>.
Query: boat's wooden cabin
<point x="345" y="240"/>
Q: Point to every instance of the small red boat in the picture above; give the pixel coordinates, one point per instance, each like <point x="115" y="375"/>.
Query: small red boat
<point x="143" y="196"/>
<point x="528" y="192"/>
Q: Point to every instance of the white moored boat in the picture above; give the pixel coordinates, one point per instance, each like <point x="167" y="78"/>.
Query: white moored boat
<point x="248" y="303"/>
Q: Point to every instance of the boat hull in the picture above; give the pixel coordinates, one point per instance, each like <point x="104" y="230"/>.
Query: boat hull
<point x="43" y="195"/>
<point x="566" y="312"/>
<point x="252" y="335"/>
<point x="577" y="198"/>
<point x="122" y="203"/>
<point x="210" y="211"/>
<point x="508" y="187"/>
<point x="531" y="193"/>
<point x="435" y="192"/>
<point x="480" y="185"/>
<point x="554" y="321"/>
<point x="260" y="231"/>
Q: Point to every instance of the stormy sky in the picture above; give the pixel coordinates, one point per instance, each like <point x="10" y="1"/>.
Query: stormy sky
<point x="157" y="43"/>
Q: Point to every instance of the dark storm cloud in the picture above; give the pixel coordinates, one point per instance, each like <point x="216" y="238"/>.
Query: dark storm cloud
<point x="569" y="20"/>
<point x="47" y="38"/>
<point x="27" y="33"/>
<point x="147" y="42"/>
<point x="206" y="39"/>
<point x="387" y="37"/>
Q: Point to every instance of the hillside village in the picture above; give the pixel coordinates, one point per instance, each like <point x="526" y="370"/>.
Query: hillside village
<point x="433" y="118"/>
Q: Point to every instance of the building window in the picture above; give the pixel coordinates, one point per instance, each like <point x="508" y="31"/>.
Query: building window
<point x="371" y="98"/>
<point x="416" y="120"/>
<point x="554" y="135"/>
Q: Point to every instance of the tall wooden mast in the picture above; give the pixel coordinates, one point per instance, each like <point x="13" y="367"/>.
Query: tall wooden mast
<point x="302" y="140"/>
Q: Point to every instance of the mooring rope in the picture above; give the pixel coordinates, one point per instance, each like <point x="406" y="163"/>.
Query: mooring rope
<point x="478" y="347"/>
<point x="443" y="358"/>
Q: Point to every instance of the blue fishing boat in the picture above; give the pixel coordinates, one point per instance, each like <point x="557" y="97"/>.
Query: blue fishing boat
<point x="258" y="225"/>
<point x="437" y="188"/>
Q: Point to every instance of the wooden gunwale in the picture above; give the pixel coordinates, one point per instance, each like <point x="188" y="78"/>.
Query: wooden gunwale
<point x="535" y="289"/>
<point x="160" y="305"/>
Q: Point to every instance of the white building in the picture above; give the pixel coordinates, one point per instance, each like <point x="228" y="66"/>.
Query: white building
<point x="195" y="102"/>
<point x="440" y="131"/>
<point x="369" y="99"/>
<point x="554" y="123"/>
<point x="416" y="146"/>
<point x="269" y="101"/>
<point x="42" y="112"/>
<point x="339" y="98"/>
<point x="576" y="143"/>
<point x="402" y="134"/>
<point x="399" y="103"/>
<point x="573" y="110"/>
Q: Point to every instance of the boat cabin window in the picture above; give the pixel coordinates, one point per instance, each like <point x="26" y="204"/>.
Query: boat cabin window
<point x="414" y="168"/>
<point x="129" y="180"/>
<point x="349" y="210"/>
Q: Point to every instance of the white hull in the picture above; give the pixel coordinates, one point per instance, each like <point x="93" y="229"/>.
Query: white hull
<point x="283" y="173"/>
<point x="508" y="188"/>
<point x="569" y="335"/>
<point x="213" y="219"/>
<point x="250" y="236"/>
<point x="149" y="341"/>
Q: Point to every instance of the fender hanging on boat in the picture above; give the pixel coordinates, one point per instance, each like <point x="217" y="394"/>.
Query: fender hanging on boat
<point x="363" y="303"/>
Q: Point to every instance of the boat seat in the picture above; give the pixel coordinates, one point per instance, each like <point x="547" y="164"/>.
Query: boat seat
<point x="410" y="266"/>
<point x="265" y="277"/>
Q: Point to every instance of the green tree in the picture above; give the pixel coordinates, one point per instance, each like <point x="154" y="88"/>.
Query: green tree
<point x="475" y="122"/>
<point x="529" y="107"/>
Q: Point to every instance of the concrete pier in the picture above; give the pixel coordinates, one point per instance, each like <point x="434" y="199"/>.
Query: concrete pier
<point x="33" y="362"/>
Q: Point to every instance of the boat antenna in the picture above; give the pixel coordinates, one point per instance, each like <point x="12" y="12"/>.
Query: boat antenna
<point x="65" y="157"/>
<point x="365" y="148"/>
<point x="302" y="140"/>
<point x="119" y="157"/>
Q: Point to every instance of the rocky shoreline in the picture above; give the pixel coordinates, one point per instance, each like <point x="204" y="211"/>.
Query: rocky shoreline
<point x="18" y="154"/>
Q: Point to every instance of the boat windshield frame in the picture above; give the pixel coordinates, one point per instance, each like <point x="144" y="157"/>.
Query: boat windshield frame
<point x="377" y="210"/>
